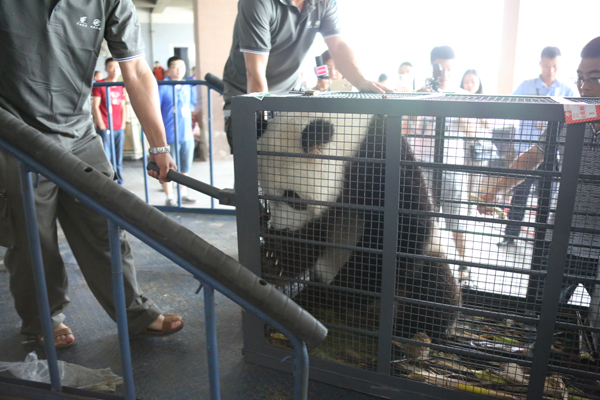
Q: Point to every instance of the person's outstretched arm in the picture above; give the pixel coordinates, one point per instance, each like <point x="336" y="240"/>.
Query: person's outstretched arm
<point x="530" y="160"/>
<point x="344" y="60"/>
<point x="143" y="93"/>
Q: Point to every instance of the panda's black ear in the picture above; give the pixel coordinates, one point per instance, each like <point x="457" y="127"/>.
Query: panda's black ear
<point x="317" y="133"/>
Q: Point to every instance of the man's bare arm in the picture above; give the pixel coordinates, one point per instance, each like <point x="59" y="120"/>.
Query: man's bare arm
<point x="344" y="60"/>
<point x="529" y="160"/>
<point x="143" y="93"/>
<point x="256" y="72"/>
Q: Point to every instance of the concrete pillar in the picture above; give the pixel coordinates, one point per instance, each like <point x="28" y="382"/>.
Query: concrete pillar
<point x="510" y="28"/>
<point x="213" y="30"/>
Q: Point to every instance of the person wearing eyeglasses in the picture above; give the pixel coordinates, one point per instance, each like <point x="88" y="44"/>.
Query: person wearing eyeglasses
<point x="529" y="131"/>
<point x="584" y="241"/>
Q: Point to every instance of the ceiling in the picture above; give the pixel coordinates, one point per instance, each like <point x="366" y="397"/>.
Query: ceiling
<point x="158" y="6"/>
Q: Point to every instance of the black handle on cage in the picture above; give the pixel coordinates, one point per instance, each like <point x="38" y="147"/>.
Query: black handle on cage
<point x="225" y="196"/>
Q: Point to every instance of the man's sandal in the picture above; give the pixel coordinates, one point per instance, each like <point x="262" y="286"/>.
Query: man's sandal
<point x="59" y="332"/>
<point x="165" y="330"/>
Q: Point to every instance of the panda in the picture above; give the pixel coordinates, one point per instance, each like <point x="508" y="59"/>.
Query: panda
<point x="322" y="178"/>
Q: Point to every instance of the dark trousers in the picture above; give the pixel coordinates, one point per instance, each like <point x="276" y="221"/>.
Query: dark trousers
<point x="517" y="207"/>
<point x="87" y="234"/>
<point x="582" y="270"/>
<point x="115" y="156"/>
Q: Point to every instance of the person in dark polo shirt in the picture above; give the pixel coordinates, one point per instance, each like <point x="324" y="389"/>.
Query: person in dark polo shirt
<point x="271" y="38"/>
<point x="49" y="50"/>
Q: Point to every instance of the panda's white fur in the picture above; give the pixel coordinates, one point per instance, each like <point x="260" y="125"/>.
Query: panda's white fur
<point x="314" y="179"/>
<point x="309" y="231"/>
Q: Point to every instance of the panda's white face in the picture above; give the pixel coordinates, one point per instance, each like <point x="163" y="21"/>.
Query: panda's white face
<point x="298" y="174"/>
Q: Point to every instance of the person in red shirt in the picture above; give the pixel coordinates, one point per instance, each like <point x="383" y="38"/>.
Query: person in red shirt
<point x="113" y="137"/>
<point x="159" y="71"/>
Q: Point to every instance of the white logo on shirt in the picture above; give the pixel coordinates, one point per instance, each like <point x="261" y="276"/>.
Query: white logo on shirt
<point x="83" y="23"/>
<point x="316" y="24"/>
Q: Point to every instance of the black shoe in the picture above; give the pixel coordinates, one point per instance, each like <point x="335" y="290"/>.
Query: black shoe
<point x="506" y="242"/>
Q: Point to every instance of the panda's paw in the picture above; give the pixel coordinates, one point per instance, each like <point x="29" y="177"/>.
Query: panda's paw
<point x="270" y="263"/>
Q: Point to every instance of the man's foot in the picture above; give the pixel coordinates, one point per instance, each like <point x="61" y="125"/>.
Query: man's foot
<point x="163" y="325"/>
<point x="506" y="242"/>
<point x="188" y="200"/>
<point x="63" y="337"/>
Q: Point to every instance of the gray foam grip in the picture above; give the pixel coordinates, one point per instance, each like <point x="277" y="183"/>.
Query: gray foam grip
<point x="157" y="225"/>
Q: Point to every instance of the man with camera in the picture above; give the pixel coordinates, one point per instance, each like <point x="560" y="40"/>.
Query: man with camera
<point x="447" y="186"/>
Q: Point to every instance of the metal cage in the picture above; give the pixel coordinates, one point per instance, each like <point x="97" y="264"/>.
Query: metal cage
<point x="364" y="209"/>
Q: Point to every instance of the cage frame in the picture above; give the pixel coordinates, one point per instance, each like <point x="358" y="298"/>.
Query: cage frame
<point x="381" y="382"/>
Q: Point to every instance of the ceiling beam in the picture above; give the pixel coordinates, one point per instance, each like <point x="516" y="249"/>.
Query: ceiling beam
<point x="160" y="6"/>
<point x="143" y="4"/>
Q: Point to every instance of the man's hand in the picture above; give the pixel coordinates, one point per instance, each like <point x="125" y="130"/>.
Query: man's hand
<point x="487" y="198"/>
<point x="343" y="58"/>
<point x="165" y="163"/>
<point x="372" y="87"/>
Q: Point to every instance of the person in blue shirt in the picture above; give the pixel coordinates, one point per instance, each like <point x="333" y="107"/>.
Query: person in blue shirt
<point x="185" y="103"/>
<point x="529" y="131"/>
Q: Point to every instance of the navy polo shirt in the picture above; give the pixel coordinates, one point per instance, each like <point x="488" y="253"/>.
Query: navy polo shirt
<point x="48" y="52"/>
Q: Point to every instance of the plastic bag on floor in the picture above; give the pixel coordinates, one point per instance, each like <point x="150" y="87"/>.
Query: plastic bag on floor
<point x="71" y="375"/>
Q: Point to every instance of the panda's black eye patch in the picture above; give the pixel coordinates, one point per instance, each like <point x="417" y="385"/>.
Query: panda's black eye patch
<point x="315" y="134"/>
<point x="294" y="200"/>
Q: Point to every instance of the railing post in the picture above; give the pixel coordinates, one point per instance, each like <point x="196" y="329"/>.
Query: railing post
<point x="212" y="351"/>
<point x="111" y="131"/>
<point x="210" y="144"/>
<point x="300" y="368"/>
<point x="144" y="163"/>
<point x="176" y="140"/>
<point x="33" y="238"/>
<point x="120" y="308"/>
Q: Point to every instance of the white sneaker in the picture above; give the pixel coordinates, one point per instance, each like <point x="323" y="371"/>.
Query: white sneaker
<point x="171" y="203"/>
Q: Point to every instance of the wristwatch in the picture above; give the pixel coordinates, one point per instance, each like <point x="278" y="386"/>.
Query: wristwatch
<point x="159" y="150"/>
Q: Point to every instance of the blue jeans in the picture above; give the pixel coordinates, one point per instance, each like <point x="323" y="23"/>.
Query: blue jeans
<point x="185" y="157"/>
<point x="117" y="160"/>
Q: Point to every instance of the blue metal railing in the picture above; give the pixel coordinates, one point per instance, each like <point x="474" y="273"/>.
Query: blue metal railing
<point x="206" y="263"/>
<point x="210" y="88"/>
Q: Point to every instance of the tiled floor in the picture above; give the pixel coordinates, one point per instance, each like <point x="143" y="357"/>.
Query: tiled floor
<point x="165" y="368"/>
